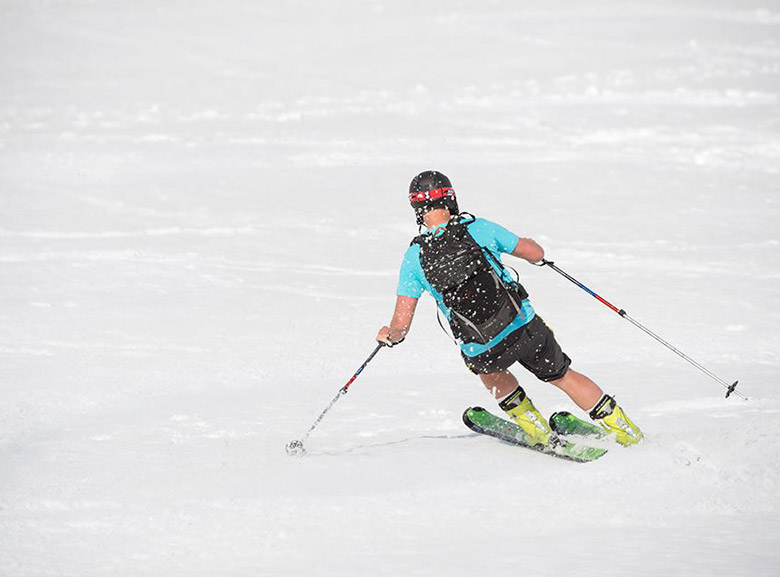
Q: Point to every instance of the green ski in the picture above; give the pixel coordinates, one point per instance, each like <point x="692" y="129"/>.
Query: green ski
<point x="481" y="421"/>
<point x="564" y="423"/>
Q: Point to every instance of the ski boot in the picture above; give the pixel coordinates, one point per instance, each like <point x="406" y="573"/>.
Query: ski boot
<point x="611" y="417"/>
<point x="522" y="411"/>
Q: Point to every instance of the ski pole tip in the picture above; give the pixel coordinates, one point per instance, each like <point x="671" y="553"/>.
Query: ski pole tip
<point x="731" y="389"/>
<point x="295" y="448"/>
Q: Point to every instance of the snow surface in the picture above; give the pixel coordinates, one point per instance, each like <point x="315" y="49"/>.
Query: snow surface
<point x="202" y="212"/>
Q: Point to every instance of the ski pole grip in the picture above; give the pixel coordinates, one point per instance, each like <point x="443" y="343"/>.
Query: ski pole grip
<point x="391" y="345"/>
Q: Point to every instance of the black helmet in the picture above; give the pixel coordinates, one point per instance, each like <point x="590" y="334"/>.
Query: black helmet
<point x="429" y="190"/>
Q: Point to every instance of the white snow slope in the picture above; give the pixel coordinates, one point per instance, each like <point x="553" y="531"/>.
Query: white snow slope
<point x="202" y="212"/>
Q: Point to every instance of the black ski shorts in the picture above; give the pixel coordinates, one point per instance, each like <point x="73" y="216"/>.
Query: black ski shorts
<point x="532" y="345"/>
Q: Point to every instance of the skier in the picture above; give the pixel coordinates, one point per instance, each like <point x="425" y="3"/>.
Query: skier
<point x="457" y="259"/>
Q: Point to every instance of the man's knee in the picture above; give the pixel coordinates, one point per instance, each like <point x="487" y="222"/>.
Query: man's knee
<point x="496" y="377"/>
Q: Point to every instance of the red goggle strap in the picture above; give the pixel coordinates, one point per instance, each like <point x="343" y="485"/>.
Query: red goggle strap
<point x="432" y="194"/>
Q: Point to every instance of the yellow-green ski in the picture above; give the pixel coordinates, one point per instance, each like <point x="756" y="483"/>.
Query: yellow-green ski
<point x="481" y="421"/>
<point x="564" y="423"/>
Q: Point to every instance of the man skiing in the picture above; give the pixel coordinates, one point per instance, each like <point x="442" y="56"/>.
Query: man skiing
<point x="457" y="259"/>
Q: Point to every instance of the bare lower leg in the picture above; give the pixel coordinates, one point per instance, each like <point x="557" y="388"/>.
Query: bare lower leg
<point x="500" y="384"/>
<point x="584" y="392"/>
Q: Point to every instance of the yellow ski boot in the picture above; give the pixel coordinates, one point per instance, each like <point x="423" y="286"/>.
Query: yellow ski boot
<point x="611" y="417"/>
<point x="522" y="411"/>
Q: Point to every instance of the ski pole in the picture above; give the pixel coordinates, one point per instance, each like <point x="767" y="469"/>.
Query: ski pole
<point x="295" y="447"/>
<point x="729" y="388"/>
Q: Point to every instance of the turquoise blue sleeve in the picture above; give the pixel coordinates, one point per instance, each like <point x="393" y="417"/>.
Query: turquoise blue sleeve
<point x="409" y="284"/>
<point x="506" y="240"/>
<point x="493" y="236"/>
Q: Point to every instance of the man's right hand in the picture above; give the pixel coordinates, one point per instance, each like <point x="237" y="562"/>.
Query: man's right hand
<point x="388" y="337"/>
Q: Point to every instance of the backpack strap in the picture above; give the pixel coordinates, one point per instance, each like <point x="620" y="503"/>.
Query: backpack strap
<point x="454" y="220"/>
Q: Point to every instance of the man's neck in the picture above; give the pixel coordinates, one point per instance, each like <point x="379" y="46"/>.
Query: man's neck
<point x="436" y="217"/>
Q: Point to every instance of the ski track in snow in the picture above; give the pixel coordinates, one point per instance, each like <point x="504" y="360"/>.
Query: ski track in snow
<point x="202" y="212"/>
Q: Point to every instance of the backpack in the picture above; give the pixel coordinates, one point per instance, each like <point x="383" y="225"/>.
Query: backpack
<point x="480" y="303"/>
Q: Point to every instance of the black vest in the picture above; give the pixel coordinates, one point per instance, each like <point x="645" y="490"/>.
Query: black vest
<point x="480" y="303"/>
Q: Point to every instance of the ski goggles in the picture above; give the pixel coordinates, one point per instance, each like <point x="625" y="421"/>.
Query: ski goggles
<point x="433" y="194"/>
